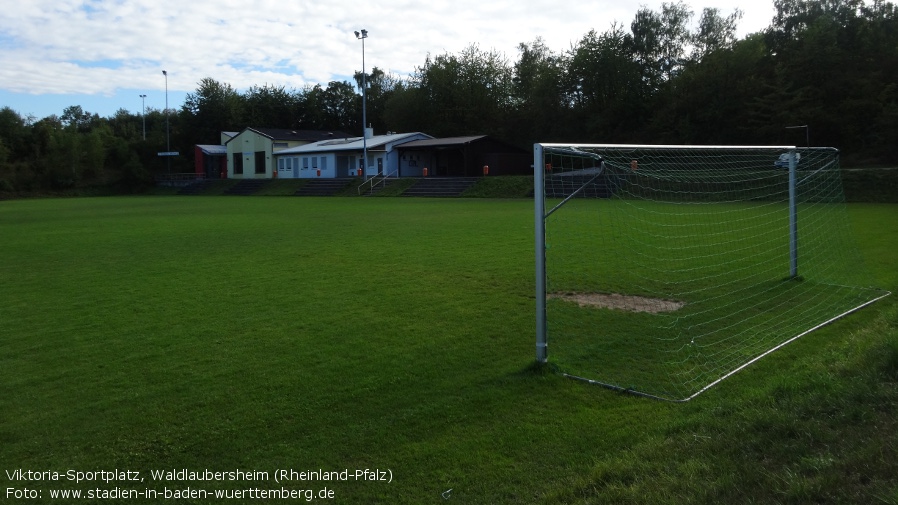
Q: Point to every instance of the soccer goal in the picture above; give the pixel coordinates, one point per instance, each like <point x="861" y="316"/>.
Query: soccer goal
<point x="663" y="270"/>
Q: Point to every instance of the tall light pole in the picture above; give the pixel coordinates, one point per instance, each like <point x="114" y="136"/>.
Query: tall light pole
<point x="362" y="36"/>
<point x="167" y="135"/>
<point x="143" y="114"/>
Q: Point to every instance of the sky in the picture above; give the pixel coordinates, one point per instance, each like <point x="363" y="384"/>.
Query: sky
<point x="103" y="54"/>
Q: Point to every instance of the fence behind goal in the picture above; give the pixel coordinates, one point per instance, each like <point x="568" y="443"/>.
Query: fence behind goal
<point x="664" y="269"/>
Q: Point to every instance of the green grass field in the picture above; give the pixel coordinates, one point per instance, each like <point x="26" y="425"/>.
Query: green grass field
<point x="225" y="333"/>
<point x="727" y="263"/>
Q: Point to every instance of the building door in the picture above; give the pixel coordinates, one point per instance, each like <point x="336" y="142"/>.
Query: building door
<point x="344" y="166"/>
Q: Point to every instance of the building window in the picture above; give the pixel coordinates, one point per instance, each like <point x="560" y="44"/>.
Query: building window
<point x="260" y="162"/>
<point x="238" y="163"/>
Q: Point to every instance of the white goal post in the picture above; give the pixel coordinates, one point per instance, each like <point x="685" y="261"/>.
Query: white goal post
<point x="741" y="249"/>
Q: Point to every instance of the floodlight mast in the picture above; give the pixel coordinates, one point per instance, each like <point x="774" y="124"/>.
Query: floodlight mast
<point x="167" y="129"/>
<point x="362" y="36"/>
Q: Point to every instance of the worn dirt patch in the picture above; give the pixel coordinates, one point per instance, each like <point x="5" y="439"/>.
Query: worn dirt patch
<point x="620" y="302"/>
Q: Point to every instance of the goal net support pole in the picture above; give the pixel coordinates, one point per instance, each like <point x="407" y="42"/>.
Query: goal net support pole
<point x="793" y="216"/>
<point x="539" y="216"/>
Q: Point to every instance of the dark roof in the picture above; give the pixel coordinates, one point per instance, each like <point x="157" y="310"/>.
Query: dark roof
<point x="286" y="134"/>
<point x="443" y="142"/>
<point x="213" y="149"/>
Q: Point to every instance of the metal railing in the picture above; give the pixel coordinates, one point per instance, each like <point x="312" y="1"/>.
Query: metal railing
<point x="376" y="180"/>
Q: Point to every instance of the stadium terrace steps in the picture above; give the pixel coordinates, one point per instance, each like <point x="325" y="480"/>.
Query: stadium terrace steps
<point x="440" y="186"/>
<point x="324" y="187"/>
<point x="564" y="186"/>
<point x="196" y="188"/>
<point x="246" y="187"/>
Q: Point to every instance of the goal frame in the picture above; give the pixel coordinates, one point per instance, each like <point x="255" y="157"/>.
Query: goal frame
<point x="540" y="216"/>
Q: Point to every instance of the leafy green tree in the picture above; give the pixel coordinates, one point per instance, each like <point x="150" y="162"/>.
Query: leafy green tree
<point x="465" y="94"/>
<point x="406" y="109"/>
<point x="14" y="133"/>
<point x="214" y="107"/>
<point x="380" y="87"/>
<point x="126" y="125"/>
<point x="646" y="46"/>
<point x="270" y="106"/>
<point x="310" y="107"/>
<point x="342" y="107"/>
<point x="539" y="102"/>
<point x="606" y="86"/>
<point x="714" y="33"/>
<point x="675" y="37"/>
<point x="77" y="118"/>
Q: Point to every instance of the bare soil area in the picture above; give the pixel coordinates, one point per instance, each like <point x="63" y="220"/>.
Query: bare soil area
<point x="620" y="302"/>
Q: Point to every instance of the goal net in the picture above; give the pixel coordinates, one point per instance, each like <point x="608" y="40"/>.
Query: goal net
<point x="664" y="269"/>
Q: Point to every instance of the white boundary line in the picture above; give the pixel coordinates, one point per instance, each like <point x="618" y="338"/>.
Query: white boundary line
<point x="731" y="372"/>
<point x="796" y="337"/>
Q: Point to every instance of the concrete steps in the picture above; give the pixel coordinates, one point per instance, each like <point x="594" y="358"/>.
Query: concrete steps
<point x="196" y="187"/>
<point x="246" y="187"/>
<point x="324" y="187"/>
<point x="444" y="187"/>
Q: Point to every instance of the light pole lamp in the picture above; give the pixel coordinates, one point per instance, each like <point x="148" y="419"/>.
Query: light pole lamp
<point x="143" y="114"/>
<point x="362" y="36"/>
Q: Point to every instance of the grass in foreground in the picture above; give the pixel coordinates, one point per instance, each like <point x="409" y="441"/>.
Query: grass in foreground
<point x="224" y="333"/>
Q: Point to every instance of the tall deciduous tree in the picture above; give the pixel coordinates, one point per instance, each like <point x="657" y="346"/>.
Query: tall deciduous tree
<point x="540" y="108"/>
<point x="607" y="85"/>
<point x="468" y="93"/>
<point x="269" y="106"/>
<point x="380" y="87"/>
<point x="675" y="37"/>
<point x="714" y="33"/>
<point x="214" y="107"/>
<point x="342" y="107"/>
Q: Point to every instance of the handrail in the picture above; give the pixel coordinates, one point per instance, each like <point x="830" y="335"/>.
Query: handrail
<point x="373" y="182"/>
<point x="370" y="181"/>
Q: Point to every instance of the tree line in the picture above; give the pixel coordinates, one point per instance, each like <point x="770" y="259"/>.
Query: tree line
<point x="825" y="72"/>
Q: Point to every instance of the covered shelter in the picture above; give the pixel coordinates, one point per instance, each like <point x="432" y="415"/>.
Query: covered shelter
<point x="469" y="156"/>
<point x="210" y="161"/>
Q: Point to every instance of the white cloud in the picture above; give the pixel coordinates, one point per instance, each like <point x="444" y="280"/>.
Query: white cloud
<point x="84" y="47"/>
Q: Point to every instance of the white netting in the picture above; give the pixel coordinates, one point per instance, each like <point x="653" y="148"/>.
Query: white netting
<point x="704" y="232"/>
